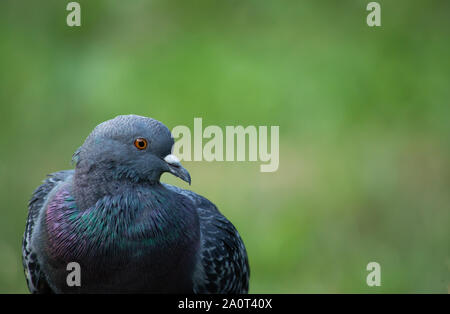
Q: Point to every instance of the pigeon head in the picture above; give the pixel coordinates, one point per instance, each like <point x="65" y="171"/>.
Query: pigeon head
<point x="129" y="147"/>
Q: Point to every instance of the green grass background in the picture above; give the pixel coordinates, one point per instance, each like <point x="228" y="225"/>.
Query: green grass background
<point x="363" y="113"/>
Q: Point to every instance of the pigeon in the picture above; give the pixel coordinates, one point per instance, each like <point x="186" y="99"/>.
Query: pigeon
<point x="127" y="231"/>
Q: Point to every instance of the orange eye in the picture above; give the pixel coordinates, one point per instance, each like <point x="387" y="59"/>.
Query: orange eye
<point x="140" y="143"/>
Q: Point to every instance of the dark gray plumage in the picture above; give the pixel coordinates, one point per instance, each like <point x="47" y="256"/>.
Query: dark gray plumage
<point x="128" y="231"/>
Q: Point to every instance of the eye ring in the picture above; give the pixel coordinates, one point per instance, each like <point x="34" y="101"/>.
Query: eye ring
<point x="140" y="143"/>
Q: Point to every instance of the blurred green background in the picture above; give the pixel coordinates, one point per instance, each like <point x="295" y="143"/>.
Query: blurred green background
<point x="363" y="113"/>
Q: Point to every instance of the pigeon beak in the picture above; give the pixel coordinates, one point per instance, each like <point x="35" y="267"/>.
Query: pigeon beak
<point x="177" y="169"/>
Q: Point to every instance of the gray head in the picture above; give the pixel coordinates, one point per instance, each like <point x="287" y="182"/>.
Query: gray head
<point x="129" y="147"/>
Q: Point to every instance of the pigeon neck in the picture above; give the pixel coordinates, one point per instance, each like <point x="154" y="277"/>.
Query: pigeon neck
<point x="92" y="183"/>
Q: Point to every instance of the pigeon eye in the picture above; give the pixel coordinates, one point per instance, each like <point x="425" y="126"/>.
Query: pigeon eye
<point x="140" y="143"/>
